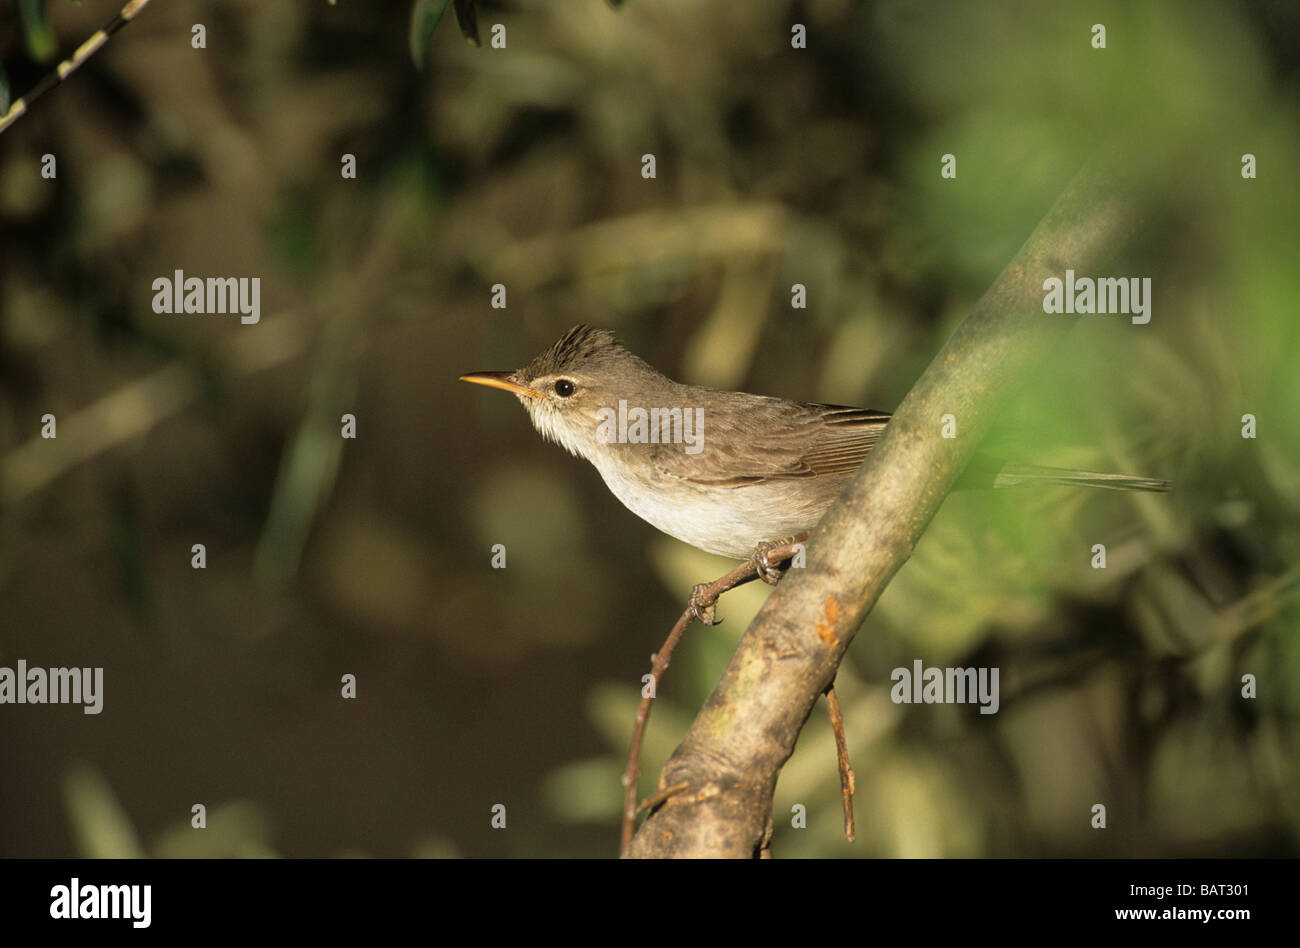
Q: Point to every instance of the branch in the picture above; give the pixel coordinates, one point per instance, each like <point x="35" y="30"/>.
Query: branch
<point x="72" y="63"/>
<point x="733" y="752"/>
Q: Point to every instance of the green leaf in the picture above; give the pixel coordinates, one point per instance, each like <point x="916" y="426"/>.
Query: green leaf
<point x="5" y="97"/>
<point x="425" y="15"/>
<point x="467" y="18"/>
<point x="585" y="790"/>
<point x="37" y="33"/>
<point x="100" y="826"/>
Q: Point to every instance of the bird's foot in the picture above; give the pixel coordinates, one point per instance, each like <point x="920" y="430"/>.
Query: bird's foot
<point x="768" y="556"/>
<point x="702" y="605"/>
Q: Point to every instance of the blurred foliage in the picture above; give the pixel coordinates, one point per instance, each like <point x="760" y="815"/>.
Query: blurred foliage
<point x="425" y="15"/>
<point x="37" y="33"/>
<point x="235" y="830"/>
<point x="522" y="166"/>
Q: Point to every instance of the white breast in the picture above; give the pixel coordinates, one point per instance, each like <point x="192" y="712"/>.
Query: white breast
<point x="729" y="521"/>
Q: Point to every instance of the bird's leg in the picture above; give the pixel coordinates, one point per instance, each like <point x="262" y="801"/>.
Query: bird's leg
<point x="768" y="556"/>
<point x="765" y="563"/>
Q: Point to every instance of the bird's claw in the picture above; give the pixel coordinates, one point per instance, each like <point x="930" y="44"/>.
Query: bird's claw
<point x="702" y="605"/>
<point x="765" y="565"/>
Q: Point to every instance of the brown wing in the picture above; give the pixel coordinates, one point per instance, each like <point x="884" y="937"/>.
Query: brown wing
<point x="842" y="446"/>
<point x="775" y="439"/>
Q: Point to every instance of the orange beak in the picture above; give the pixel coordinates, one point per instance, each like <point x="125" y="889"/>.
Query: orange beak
<point x="501" y="380"/>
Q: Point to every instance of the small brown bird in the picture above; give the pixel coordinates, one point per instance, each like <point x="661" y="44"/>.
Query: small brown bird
<point x="723" y="471"/>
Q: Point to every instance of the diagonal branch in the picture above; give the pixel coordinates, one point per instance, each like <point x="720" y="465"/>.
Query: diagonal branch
<point x="73" y="62"/>
<point x="733" y="752"/>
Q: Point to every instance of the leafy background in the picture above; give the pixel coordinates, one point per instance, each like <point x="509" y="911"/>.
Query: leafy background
<point x="522" y="166"/>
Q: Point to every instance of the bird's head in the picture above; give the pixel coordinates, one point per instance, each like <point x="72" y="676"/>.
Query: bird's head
<point x="567" y="386"/>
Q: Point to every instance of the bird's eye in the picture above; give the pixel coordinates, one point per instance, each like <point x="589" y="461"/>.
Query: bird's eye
<point x="564" y="388"/>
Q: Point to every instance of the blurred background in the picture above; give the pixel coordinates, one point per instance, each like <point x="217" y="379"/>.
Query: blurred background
<point x="522" y="166"/>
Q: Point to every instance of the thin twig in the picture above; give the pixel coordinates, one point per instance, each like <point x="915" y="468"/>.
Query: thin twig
<point x="847" y="782"/>
<point x="72" y="63"/>
<point x="704" y="599"/>
<point x="660" y="796"/>
<point x="658" y="665"/>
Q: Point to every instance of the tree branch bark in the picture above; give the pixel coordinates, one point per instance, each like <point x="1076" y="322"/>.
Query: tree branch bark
<point x="746" y="731"/>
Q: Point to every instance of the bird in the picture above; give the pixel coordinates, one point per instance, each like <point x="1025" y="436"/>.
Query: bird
<point x="726" y="472"/>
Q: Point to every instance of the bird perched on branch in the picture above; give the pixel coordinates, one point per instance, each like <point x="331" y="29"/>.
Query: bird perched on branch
<point x="727" y="472"/>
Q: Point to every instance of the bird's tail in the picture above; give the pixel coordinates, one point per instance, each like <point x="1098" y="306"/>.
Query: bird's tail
<point x="1031" y="475"/>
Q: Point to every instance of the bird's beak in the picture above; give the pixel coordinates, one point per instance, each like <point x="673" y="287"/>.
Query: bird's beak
<point x="501" y="380"/>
